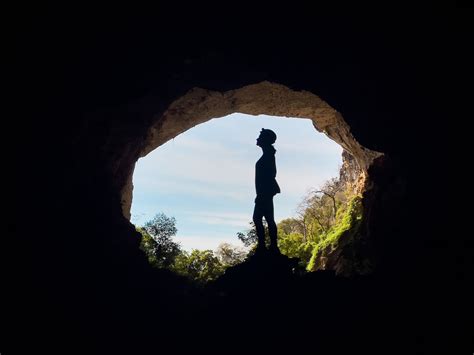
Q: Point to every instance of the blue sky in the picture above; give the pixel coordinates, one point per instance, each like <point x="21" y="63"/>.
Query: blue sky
<point x="205" y="176"/>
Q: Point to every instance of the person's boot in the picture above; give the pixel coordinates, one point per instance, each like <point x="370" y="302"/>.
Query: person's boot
<point x="274" y="249"/>
<point x="260" y="250"/>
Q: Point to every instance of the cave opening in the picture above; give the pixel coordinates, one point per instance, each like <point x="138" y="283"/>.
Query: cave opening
<point x="204" y="179"/>
<point x="198" y="106"/>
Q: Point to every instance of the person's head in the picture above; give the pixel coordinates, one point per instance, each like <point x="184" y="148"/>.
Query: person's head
<point x="267" y="137"/>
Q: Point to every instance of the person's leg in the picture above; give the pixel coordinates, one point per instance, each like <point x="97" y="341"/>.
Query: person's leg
<point x="272" y="227"/>
<point x="258" y="221"/>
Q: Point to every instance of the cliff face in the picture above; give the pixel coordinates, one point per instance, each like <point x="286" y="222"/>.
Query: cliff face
<point x="351" y="253"/>
<point x="355" y="252"/>
<point x="351" y="175"/>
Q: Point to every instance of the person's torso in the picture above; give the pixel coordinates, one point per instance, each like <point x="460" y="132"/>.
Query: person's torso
<point x="265" y="175"/>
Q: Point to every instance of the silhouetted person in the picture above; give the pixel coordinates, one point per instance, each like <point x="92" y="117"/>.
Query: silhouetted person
<point x="266" y="187"/>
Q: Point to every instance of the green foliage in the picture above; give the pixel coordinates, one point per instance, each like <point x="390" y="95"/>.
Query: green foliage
<point x="349" y="220"/>
<point x="291" y="225"/>
<point x="323" y="217"/>
<point x="200" y="265"/>
<point x="161" y="227"/>
<point x="230" y="255"/>
<point x="293" y="245"/>
<point x="157" y="241"/>
<point x="249" y="237"/>
<point x="148" y="245"/>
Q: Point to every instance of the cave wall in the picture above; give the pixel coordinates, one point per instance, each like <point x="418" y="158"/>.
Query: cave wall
<point x="98" y="93"/>
<point x="98" y="89"/>
<point x="93" y="82"/>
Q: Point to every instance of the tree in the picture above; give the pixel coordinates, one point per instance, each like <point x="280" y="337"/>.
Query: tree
<point x="230" y="255"/>
<point x="148" y="245"/>
<point x="157" y="240"/>
<point x="200" y="265"/>
<point x="249" y="238"/>
<point x="291" y="225"/>
<point x="321" y="206"/>
<point x="293" y="245"/>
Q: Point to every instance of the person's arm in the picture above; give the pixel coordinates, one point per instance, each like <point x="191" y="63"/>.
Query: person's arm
<point x="272" y="168"/>
<point x="274" y="185"/>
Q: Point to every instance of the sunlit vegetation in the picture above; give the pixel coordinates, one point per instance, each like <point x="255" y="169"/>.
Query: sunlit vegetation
<point x="198" y="265"/>
<point x="324" y="216"/>
<point x="348" y="221"/>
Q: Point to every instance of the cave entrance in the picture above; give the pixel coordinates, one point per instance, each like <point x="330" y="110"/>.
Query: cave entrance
<point x="200" y="105"/>
<point x="205" y="176"/>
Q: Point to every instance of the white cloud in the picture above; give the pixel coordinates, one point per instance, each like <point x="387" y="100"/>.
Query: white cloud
<point x="221" y="218"/>
<point x="177" y="185"/>
<point x="214" y="166"/>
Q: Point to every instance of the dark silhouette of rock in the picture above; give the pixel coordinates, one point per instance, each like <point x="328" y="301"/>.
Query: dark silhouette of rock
<point x="262" y="272"/>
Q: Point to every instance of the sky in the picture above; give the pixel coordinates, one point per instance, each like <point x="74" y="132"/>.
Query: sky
<point x="205" y="176"/>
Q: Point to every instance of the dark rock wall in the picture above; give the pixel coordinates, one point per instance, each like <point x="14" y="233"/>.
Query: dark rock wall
<point x="89" y="76"/>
